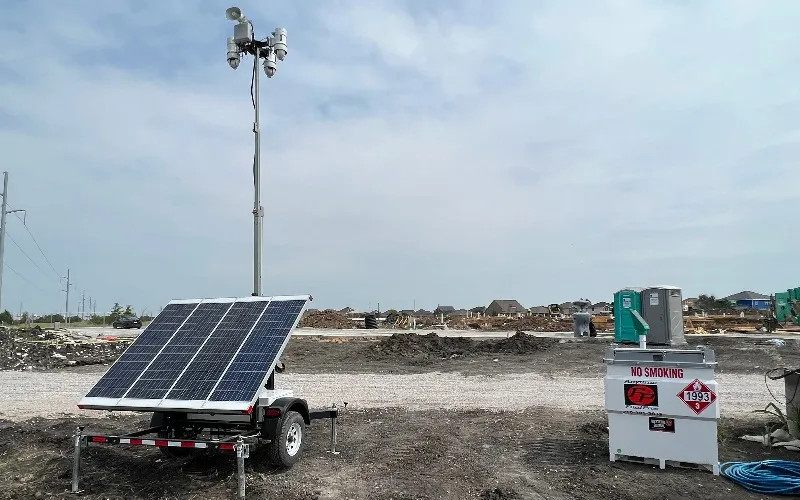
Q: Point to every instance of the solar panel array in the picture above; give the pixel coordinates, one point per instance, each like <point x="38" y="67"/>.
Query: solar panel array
<point x="201" y="355"/>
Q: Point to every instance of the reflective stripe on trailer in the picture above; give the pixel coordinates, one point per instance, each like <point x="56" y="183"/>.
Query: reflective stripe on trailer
<point x="159" y="442"/>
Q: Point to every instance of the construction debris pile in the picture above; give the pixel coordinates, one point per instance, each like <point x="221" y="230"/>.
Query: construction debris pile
<point x="327" y="319"/>
<point x="37" y="349"/>
<point x="410" y="345"/>
<point x="723" y="324"/>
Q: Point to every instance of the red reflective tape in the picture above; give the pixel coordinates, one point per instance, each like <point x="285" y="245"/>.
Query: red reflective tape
<point x="160" y="442"/>
<point x="248" y="411"/>
<point x="187" y="444"/>
<point x="99" y="439"/>
<point x="80" y="406"/>
<point x="136" y="441"/>
<point x="226" y="446"/>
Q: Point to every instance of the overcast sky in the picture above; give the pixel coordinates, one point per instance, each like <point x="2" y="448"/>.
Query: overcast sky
<point x="447" y="152"/>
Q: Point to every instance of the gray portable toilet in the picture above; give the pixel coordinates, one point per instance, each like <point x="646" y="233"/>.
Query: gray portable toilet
<point x="662" y="308"/>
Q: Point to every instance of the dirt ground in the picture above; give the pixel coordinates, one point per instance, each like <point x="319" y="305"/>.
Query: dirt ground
<point x="409" y="353"/>
<point x="401" y="454"/>
<point x="385" y="455"/>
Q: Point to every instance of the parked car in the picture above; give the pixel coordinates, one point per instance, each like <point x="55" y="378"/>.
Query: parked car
<point x="127" y="322"/>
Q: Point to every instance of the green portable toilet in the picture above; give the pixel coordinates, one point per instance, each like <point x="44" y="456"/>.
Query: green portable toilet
<point x="625" y="301"/>
<point x="782" y="306"/>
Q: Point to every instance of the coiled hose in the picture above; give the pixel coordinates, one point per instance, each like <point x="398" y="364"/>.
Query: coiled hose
<point x="773" y="477"/>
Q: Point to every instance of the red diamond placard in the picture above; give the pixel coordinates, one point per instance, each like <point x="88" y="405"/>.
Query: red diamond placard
<point x="697" y="396"/>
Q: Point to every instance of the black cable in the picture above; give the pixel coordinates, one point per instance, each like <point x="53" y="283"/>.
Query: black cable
<point x="23" y="278"/>
<point x="38" y="246"/>
<point x="785" y="373"/>
<point x="24" y="253"/>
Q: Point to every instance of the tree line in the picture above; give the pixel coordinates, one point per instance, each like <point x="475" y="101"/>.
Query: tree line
<point x="117" y="312"/>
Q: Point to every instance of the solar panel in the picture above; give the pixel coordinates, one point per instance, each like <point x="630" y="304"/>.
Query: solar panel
<point x="201" y="355"/>
<point x="135" y="359"/>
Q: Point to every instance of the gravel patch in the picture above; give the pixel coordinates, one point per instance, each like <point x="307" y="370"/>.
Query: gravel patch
<point x="50" y="394"/>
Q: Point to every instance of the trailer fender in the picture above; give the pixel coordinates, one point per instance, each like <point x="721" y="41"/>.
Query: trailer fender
<point x="271" y="424"/>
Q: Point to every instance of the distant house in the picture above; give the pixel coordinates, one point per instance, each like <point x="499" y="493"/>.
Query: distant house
<point x="446" y="310"/>
<point x="749" y="300"/>
<point x="459" y="313"/>
<point x="346" y="310"/>
<point x="601" y="308"/>
<point x="541" y="311"/>
<point x="507" y="308"/>
<point x="407" y="312"/>
<point x="567" y="308"/>
<point x="422" y="313"/>
<point x="477" y="312"/>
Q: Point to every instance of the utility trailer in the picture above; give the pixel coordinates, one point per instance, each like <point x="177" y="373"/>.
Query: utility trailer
<point x="205" y="369"/>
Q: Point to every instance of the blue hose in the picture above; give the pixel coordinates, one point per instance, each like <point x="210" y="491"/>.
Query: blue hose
<point x="774" y="477"/>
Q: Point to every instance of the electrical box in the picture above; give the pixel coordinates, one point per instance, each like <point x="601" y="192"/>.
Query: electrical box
<point x="662" y="406"/>
<point x="243" y="33"/>
<point x="662" y="309"/>
<point x="626" y="301"/>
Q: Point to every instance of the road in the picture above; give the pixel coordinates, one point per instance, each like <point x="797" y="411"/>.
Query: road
<point x="47" y="394"/>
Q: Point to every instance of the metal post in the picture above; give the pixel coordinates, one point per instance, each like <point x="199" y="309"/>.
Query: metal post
<point x="66" y="306"/>
<point x="240" y="456"/>
<point x="76" y="461"/>
<point x="333" y="437"/>
<point x="3" y="230"/>
<point x="257" y="210"/>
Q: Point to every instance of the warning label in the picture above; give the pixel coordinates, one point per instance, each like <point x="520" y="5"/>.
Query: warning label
<point x="641" y="395"/>
<point x="656" y="372"/>
<point x="697" y="396"/>
<point x="662" y="424"/>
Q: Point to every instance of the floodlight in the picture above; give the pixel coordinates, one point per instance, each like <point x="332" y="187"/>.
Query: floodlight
<point x="233" y="53"/>
<point x="278" y="43"/>
<point x="270" y="64"/>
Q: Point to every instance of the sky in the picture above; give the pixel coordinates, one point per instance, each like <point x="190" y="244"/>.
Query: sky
<point x="414" y="153"/>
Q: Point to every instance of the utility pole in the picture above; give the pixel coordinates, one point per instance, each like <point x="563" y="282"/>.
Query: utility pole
<point x="83" y="305"/>
<point x="3" y="213"/>
<point x="66" y="306"/>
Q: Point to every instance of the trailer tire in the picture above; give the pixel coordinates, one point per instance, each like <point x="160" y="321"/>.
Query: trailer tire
<point x="173" y="452"/>
<point x="285" y="450"/>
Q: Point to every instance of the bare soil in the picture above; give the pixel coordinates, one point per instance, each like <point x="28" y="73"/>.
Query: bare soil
<point x="385" y="454"/>
<point x="521" y="353"/>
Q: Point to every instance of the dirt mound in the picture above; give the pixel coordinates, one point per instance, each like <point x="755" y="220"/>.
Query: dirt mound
<point x="411" y="345"/>
<point x="34" y="348"/>
<point x="539" y="324"/>
<point x="327" y="319"/>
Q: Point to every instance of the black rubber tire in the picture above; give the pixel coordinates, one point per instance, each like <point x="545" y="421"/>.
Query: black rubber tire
<point x="168" y="451"/>
<point x="277" y="454"/>
<point x="592" y="329"/>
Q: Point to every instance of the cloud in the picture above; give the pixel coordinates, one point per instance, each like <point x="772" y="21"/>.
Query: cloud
<point x="448" y="153"/>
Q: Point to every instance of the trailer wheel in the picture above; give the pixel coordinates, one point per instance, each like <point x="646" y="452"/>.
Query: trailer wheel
<point x="158" y="419"/>
<point x="288" y="445"/>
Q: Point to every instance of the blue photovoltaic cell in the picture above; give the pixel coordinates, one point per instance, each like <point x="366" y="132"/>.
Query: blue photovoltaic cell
<point x="259" y="352"/>
<point x="144" y="349"/>
<point x="167" y="366"/>
<point x="208" y="366"/>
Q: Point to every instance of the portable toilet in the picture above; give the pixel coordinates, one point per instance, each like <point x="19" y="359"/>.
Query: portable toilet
<point x="625" y="301"/>
<point x="662" y="308"/>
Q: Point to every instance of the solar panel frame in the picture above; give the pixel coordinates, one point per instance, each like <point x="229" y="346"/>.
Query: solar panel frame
<point x="205" y="405"/>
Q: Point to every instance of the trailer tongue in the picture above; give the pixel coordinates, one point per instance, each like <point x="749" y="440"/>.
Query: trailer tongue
<point x="205" y="368"/>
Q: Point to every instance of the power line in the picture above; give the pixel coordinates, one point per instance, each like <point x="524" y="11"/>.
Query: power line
<point x="26" y="280"/>
<point x="25" y="254"/>
<point x="39" y="247"/>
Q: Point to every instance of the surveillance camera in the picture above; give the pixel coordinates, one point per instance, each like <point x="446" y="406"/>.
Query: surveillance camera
<point x="233" y="54"/>
<point x="278" y="43"/>
<point x="270" y="64"/>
